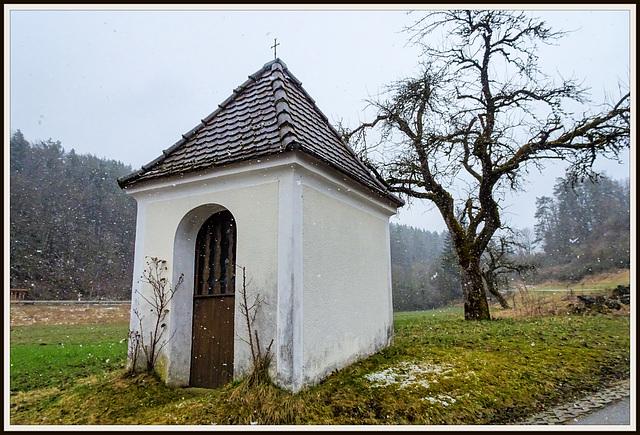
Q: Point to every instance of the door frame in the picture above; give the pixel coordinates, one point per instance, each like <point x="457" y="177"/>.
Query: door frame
<point x="214" y="292"/>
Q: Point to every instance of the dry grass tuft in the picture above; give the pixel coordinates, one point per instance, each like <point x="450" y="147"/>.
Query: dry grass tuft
<point x="553" y="298"/>
<point x="529" y="303"/>
<point x="600" y="281"/>
<point x="263" y="403"/>
<point x="72" y="314"/>
<point x="21" y="399"/>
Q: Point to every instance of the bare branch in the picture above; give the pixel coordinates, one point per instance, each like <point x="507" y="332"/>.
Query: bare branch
<point x="461" y="116"/>
<point x="161" y="296"/>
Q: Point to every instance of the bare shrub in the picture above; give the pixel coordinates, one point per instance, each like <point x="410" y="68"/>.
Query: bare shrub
<point x="260" y="359"/>
<point x="530" y="303"/>
<point x="159" y="301"/>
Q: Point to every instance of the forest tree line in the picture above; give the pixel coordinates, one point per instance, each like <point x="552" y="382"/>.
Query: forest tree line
<point x="72" y="232"/>
<point x="424" y="272"/>
<point x="585" y="229"/>
<point x="72" y="228"/>
<point x="580" y="231"/>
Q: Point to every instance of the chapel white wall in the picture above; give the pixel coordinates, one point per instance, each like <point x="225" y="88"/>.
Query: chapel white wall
<point x="169" y="217"/>
<point x="347" y="286"/>
<point x="316" y="247"/>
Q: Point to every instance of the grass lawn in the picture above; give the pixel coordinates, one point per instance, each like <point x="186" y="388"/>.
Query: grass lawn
<point x="45" y="356"/>
<point x="440" y="370"/>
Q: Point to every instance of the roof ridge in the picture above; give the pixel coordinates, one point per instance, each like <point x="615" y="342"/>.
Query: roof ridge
<point x="288" y="136"/>
<point x="278" y="64"/>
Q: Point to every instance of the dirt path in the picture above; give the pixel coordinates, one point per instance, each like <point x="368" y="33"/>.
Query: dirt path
<point x="62" y="314"/>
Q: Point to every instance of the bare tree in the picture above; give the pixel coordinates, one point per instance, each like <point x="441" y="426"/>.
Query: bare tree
<point x="477" y="119"/>
<point x="526" y="242"/>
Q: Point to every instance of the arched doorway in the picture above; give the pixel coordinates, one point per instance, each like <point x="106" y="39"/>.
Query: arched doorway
<point x="214" y="302"/>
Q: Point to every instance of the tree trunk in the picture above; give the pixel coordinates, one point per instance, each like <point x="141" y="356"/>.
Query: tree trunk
<point x="491" y="286"/>
<point x="476" y="306"/>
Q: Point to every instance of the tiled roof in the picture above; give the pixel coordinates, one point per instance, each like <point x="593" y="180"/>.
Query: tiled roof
<point x="268" y="114"/>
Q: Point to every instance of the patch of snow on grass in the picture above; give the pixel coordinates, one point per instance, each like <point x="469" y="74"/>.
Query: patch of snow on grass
<point x="441" y="399"/>
<point x="406" y="374"/>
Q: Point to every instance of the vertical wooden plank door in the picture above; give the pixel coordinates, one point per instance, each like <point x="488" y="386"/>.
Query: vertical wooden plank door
<point x="214" y="303"/>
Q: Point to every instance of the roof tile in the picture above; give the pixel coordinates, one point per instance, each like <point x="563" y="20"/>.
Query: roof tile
<point x="268" y="114"/>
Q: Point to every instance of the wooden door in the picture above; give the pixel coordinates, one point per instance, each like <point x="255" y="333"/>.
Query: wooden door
<point x="214" y="303"/>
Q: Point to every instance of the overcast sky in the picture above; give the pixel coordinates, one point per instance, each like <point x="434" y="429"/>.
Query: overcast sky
<point x="125" y="84"/>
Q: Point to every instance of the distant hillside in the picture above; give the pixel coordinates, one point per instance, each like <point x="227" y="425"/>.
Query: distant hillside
<point x="72" y="231"/>
<point x="72" y="228"/>
<point x="585" y="229"/>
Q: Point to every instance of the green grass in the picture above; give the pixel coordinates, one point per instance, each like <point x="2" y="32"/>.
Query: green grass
<point x="490" y="372"/>
<point x="56" y="356"/>
<point x="405" y="318"/>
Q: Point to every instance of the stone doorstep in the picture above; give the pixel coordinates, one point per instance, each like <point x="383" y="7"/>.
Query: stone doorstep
<point x="568" y="412"/>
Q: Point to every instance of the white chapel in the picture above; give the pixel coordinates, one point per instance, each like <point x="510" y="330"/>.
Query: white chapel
<point x="265" y="183"/>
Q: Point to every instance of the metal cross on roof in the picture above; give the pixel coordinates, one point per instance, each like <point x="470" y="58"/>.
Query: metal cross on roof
<point x="275" y="48"/>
